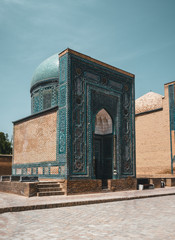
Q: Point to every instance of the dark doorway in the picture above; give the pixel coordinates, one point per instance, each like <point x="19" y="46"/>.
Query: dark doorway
<point x="103" y="147"/>
<point x="103" y="156"/>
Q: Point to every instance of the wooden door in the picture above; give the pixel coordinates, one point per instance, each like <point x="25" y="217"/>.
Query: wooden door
<point x="103" y="156"/>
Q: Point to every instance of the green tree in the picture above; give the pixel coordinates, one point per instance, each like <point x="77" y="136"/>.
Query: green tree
<point x="5" y="144"/>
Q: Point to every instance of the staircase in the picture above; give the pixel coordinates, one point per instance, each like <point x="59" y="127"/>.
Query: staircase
<point x="49" y="189"/>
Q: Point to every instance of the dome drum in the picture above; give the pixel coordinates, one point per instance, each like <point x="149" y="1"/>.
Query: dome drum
<point x="44" y="85"/>
<point x="44" y="97"/>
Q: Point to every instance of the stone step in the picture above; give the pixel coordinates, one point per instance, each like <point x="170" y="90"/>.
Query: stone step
<point x="42" y="194"/>
<point x="42" y="182"/>
<point x="48" y="185"/>
<point x="49" y="189"/>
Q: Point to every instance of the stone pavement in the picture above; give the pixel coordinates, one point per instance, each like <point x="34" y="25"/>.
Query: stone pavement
<point x="148" y="218"/>
<point x="15" y="203"/>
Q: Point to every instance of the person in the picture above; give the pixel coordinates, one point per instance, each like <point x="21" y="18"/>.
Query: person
<point x="162" y="183"/>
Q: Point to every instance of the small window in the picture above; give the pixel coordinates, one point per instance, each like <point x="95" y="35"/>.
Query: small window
<point x="47" y="97"/>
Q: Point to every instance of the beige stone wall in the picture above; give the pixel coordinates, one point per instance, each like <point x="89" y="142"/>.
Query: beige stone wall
<point x="35" y="139"/>
<point x="153" y="152"/>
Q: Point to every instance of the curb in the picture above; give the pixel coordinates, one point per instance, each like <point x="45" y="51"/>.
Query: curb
<point x="76" y="203"/>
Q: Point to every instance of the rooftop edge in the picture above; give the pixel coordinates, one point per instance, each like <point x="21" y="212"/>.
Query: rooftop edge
<point x="68" y="50"/>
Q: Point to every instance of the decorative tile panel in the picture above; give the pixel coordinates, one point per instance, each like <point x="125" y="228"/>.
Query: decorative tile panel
<point x="40" y="170"/>
<point x="24" y="171"/>
<point x="18" y="171"/>
<point x="62" y="131"/>
<point x="78" y="123"/>
<point x="62" y="102"/>
<point x="63" y="69"/>
<point x="63" y="170"/>
<point x="29" y="171"/>
<point x="63" y="109"/>
<point x="34" y="171"/>
<point x="46" y="170"/>
<point x="36" y="103"/>
<point x="54" y="170"/>
<point x="171" y="89"/>
<point x="127" y="161"/>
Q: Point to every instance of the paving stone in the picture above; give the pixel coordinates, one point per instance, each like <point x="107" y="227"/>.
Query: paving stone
<point x="151" y="218"/>
<point x="148" y="218"/>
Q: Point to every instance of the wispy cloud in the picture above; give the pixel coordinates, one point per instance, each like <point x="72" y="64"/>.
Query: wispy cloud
<point x="145" y="50"/>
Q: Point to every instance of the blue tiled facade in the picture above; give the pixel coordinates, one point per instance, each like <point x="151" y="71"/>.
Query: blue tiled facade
<point x="82" y="88"/>
<point x="171" y="89"/>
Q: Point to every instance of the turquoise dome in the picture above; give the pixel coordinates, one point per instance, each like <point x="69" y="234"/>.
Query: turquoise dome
<point x="46" y="71"/>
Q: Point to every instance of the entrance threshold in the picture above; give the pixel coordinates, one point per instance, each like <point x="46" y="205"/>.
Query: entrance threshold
<point x="104" y="183"/>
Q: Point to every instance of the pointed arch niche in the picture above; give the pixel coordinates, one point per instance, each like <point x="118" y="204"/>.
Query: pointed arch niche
<point x="103" y="123"/>
<point x="103" y="147"/>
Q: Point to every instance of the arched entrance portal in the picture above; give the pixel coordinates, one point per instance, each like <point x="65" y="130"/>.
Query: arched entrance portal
<point x="103" y="146"/>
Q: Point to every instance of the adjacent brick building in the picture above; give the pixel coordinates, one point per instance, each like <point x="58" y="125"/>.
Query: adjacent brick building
<point x="155" y="139"/>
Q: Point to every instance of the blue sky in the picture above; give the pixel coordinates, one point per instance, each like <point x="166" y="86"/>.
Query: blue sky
<point x="135" y="35"/>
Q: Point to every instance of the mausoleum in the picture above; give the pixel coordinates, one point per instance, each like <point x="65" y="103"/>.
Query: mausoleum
<point x="155" y="138"/>
<point x="81" y="130"/>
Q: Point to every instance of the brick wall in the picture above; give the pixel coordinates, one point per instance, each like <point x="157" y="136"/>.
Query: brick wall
<point x="88" y="186"/>
<point x="5" y="164"/>
<point x="122" y="184"/>
<point x="153" y="153"/>
<point x="20" y="188"/>
<point x="35" y="139"/>
<point x="83" y="186"/>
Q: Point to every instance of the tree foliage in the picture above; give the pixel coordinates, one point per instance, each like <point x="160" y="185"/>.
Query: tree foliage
<point x="5" y="144"/>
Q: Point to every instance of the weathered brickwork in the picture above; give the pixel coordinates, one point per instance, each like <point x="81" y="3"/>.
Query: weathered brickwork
<point x="87" y="186"/>
<point x="83" y="186"/>
<point x="122" y="184"/>
<point x="35" y="140"/>
<point x="153" y="151"/>
<point x="20" y="188"/>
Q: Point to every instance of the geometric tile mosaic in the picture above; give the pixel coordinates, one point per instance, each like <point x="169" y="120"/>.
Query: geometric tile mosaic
<point x="54" y="170"/>
<point x="40" y="170"/>
<point x="18" y="171"/>
<point x="46" y="170"/>
<point x="62" y="170"/>
<point x="34" y="171"/>
<point x="29" y="171"/>
<point x="24" y="171"/>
